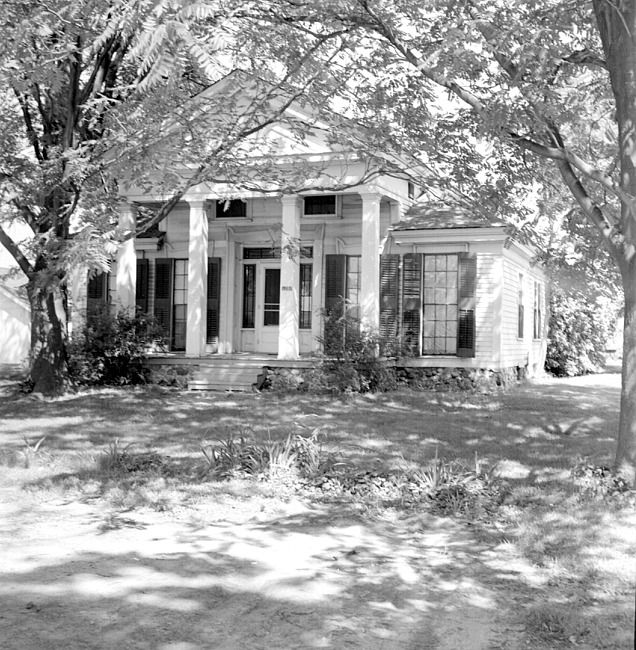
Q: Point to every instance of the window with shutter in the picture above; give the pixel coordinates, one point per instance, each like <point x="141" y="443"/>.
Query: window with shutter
<point x="213" y="301"/>
<point x="411" y="300"/>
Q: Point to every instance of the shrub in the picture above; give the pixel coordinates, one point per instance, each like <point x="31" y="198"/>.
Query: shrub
<point x="110" y="348"/>
<point x="579" y="330"/>
<point x="352" y="364"/>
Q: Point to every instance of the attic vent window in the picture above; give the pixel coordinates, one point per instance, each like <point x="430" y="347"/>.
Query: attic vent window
<point x="411" y="190"/>
<point x="232" y="209"/>
<point x="321" y="205"/>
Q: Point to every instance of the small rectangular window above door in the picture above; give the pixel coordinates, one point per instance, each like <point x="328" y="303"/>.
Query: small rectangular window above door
<point x="231" y="209"/>
<point x="321" y="205"/>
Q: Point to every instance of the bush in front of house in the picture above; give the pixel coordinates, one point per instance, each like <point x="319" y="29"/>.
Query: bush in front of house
<point x="351" y="363"/>
<point x="110" y="348"/>
<point x="579" y="331"/>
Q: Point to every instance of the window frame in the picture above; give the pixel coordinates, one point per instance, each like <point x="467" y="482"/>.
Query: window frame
<point x="520" y="308"/>
<point x="537" y="321"/>
<point x="337" y="205"/>
<point x="221" y="214"/>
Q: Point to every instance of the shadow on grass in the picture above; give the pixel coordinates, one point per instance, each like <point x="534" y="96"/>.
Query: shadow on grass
<point x="321" y="578"/>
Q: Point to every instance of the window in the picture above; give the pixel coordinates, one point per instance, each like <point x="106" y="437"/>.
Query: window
<point x="429" y="302"/>
<point x="171" y="299"/>
<point x="305" y="295"/>
<point x="321" y="205"/>
<point x="249" y="296"/>
<point x="439" y="324"/>
<point x="520" y="307"/>
<point x="232" y="209"/>
<point x="180" y="304"/>
<point x="538" y="311"/>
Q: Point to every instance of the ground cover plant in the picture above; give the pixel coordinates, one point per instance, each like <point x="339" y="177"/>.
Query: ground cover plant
<point x="159" y="518"/>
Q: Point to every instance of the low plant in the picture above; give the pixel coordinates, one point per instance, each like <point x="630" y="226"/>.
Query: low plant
<point x="599" y="481"/>
<point x="31" y="452"/>
<point x="110" y="348"/>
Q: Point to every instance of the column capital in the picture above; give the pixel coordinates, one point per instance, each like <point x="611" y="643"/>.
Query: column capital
<point x="293" y="200"/>
<point x="197" y="203"/>
<point x="370" y="197"/>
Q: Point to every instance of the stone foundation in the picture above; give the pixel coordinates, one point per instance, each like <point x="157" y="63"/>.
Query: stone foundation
<point x="171" y="374"/>
<point x="438" y="379"/>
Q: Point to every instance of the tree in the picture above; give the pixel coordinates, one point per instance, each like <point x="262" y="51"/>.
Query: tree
<point x="504" y="96"/>
<point x="96" y="95"/>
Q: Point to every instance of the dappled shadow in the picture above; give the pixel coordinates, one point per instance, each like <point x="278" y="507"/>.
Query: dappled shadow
<point x="321" y="579"/>
<point x="324" y="577"/>
<point x="537" y="426"/>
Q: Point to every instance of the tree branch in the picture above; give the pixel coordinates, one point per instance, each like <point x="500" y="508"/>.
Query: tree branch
<point x="15" y="252"/>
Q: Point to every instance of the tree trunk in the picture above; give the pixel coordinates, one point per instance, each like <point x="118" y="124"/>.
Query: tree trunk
<point x="617" y="28"/>
<point x="49" y="362"/>
<point x="625" y="461"/>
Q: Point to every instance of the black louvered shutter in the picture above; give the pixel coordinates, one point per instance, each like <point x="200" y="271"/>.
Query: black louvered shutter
<point x="141" y="288"/>
<point x="163" y="294"/>
<point x="335" y="281"/>
<point x="335" y="291"/>
<point x="389" y="292"/>
<point x="214" y="301"/>
<point x="412" y="300"/>
<point x="466" y="308"/>
<point x="96" y="293"/>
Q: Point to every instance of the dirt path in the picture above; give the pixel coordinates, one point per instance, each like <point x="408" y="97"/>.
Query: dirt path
<point x="73" y="576"/>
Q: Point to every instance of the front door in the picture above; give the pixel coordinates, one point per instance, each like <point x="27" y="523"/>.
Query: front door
<point x="261" y="307"/>
<point x="267" y="308"/>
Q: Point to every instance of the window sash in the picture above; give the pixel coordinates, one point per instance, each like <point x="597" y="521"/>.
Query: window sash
<point x="305" y="294"/>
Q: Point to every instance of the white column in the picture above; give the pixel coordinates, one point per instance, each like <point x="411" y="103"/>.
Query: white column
<point x="288" y="335"/>
<point x="126" y="281"/>
<point x="370" y="263"/>
<point x="197" y="280"/>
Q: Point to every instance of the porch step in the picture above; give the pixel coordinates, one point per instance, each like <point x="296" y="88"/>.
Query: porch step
<point x="226" y="376"/>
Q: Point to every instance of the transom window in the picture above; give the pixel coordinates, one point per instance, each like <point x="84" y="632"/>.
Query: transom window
<point x="232" y="209"/>
<point x="323" y="204"/>
<point x="269" y="253"/>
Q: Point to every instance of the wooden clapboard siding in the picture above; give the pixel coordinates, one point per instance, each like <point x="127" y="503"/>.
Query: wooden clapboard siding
<point x="516" y="351"/>
<point x="178" y="224"/>
<point x="484" y="309"/>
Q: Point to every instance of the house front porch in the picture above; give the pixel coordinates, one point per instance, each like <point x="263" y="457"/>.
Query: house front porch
<point x="240" y="371"/>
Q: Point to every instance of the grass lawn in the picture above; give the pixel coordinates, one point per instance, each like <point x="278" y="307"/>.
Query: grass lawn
<point x="163" y="556"/>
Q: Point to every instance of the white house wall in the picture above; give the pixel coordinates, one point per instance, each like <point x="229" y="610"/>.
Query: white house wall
<point x="525" y="352"/>
<point x="15" y="330"/>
